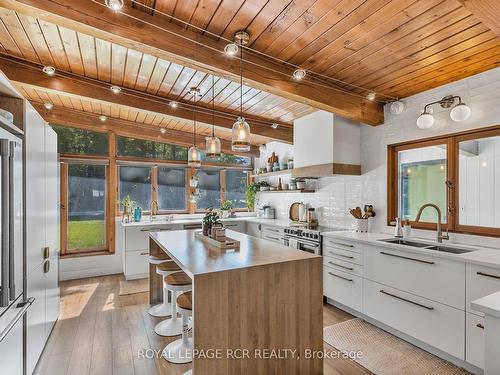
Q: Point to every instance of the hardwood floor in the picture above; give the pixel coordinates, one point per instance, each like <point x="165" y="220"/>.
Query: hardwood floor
<point x="101" y="332"/>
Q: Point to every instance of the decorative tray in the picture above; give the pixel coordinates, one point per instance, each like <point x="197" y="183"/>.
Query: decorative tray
<point x="221" y="243"/>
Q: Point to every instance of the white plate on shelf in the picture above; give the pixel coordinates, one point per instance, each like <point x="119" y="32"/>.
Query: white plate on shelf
<point x="7" y="115"/>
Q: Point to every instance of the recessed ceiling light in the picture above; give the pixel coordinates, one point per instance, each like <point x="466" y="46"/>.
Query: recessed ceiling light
<point x="371" y="96"/>
<point x="173" y="104"/>
<point x="163" y="130"/>
<point x="102" y="118"/>
<point x="274" y="126"/>
<point x="195" y="91"/>
<point x="116" y="89"/>
<point x="299" y="74"/>
<point x="262" y="148"/>
<point x="48" y="106"/>
<point x="114" y="4"/>
<point x="49" y="70"/>
<point x="231" y="49"/>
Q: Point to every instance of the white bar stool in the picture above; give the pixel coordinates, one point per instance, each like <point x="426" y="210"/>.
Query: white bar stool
<point x="175" y="282"/>
<point x="164" y="267"/>
<point x="190" y="372"/>
<point x="181" y="351"/>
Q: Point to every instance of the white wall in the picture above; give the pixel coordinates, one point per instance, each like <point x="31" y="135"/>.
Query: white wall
<point x="481" y="92"/>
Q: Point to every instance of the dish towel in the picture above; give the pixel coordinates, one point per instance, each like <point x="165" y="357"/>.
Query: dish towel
<point x="293" y="243"/>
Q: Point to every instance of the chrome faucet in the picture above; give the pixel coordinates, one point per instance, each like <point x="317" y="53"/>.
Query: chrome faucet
<point x="153" y="209"/>
<point x="440" y="236"/>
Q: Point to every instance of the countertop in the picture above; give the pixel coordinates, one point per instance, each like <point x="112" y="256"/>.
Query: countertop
<point x="196" y="257"/>
<point x="485" y="256"/>
<point x="490" y="305"/>
<point x="252" y="219"/>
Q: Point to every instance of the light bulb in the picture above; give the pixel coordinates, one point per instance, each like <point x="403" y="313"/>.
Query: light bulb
<point x="114" y="4"/>
<point x="298" y="74"/>
<point x="460" y="112"/>
<point x="425" y="121"/>
<point x="241" y="135"/>
<point x="49" y="70"/>
<point x="102" y="118"/>
<point x="231" y="49"/>
<point x="116" y="89"/>
<point x="48" y="106"/>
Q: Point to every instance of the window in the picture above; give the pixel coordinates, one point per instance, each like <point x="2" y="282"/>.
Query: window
<point x="229" y="159"/>
<point x="459" y="173"/>
<point x="236" y="187"/>
<point x="84" y="207"/>
<point x="171" y="189"/>
<point x="136" y="182"/>
<point x="210" y="189"/>
<point x="141" y="148"/>
<point x="80" y="141"/>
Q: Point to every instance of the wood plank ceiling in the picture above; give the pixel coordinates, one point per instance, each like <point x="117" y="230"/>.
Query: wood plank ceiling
<point x="396" y="48"/>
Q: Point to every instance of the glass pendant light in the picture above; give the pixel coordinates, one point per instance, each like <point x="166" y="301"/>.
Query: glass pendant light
<point x="241" y="129"/>
<point x="212" y="143"/>
<point x="194" y="154"/>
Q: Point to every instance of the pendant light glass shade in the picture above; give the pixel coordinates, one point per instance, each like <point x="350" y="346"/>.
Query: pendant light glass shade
<point x="425" y="121"/>
<point x="212" y="147"/>
<point x="241" y="135"/>
<point x="460" y="112"/>
<point x="194" y="157"/>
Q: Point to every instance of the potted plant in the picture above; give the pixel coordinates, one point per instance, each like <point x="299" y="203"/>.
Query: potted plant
<point x="127" y="204"/>
<point x="225" y="207"/>
<point x="210" y="219"/>
<point x="252" y="190"/>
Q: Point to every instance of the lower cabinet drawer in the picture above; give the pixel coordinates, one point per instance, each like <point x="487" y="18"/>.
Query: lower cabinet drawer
<point x="343" y="287"/>
<point x="341" y="265"/>
<point x="272" y="237"/>
<point x="438" y="325"/>
<point x="474" y="333"/>
<point x="343" y="254"/>
<point x="136" y="264"/>
<point x="480" y="282"/>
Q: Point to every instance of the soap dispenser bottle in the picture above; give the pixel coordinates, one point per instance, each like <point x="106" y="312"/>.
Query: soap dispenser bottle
<point x="398" y="230"/>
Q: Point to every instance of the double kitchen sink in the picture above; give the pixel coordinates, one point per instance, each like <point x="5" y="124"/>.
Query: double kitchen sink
<point x="423" y="245"/>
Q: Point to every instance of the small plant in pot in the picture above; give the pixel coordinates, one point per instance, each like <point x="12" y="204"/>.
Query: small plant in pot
<point x="210" y="219"/>
<point x="225" y="208"/>
<point x="127" y="204"/>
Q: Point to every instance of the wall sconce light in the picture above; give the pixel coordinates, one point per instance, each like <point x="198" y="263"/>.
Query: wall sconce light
<point x="459" y="112"/>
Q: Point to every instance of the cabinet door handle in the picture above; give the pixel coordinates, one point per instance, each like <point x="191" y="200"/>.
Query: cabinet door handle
<point x="342" y="255"/>
<point x="144" y="253"/>
<point x="479" y="325"/>
<point x="340" y="277"/>
<point x="272" y="238"/>
<point x="340" y="244"/>
<point x="341" y="266"/>
<point x="406" y="300"/>
<point x="488" y="275"/>
<point x="230" y="225"/>
<point x="25" y="305"/>
<point x="407" y="258"/>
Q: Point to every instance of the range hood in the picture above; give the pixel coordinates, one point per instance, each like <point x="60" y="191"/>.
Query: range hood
<point x="325" y="145"/>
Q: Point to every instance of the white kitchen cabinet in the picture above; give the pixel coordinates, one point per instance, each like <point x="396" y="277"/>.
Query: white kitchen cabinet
<point x="474" y="334"/>
<point x="342" y="265"/>
<point x="272" y="233"/>
<point x="343" y="287"/>
<point x="136" y="264"/>
<point x="481" y="281"/>
<point x="434" y="278"/>
<point x="343" y="244"/>
<point x="11" y="351"/>
<point x="434" y="323"/>
<point x="237" y="226"/>
<point x="253" y="229"/>
<point x="343" y="253"/>
<point x="42" y="233"/>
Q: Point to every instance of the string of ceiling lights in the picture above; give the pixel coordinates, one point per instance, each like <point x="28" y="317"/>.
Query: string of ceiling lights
<point x="231" y="49"/>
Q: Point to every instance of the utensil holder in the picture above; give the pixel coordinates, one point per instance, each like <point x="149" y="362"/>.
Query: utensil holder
<point x="362" y="225"/>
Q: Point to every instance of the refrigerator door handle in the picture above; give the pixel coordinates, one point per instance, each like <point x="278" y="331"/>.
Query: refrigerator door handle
<point x="25" y="305"/>
<point x="4" y="215"/>
<point x="12" y="286"/>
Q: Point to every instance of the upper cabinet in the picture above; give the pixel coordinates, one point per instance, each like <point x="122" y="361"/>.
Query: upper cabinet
<point x="326" y="144"/>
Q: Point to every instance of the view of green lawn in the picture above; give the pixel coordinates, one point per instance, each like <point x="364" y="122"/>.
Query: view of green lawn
<point x="85" y="234"/>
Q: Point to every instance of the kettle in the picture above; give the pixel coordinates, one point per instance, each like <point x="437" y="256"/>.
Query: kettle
<point x="302" y="212"/>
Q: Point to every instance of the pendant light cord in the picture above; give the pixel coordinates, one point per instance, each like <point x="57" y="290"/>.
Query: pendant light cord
<point x="241" y="79"/>
<point x="213" y="108"/>
<point x="194" y="122"/>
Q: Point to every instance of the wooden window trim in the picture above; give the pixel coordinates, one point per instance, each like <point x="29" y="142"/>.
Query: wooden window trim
<point x="452" y="141"/>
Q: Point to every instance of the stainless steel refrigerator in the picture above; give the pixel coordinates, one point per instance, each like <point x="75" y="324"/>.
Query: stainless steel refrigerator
<point x="12" y="304"/>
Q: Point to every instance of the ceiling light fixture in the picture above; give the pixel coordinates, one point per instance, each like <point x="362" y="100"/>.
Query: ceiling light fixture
<point x="163" y="130"/>
<point x="48" y="106"/>
<point x="116" y="89"/>
<point x="241" y="130"/>
<point x="194" y="154"/>
<point x="49" y="70"/>
<point x="371" y="96"/>
<point x="397" y="107"/>
<point x="262" y="147"/>
<point x="299" y="74"/>
<point x="114" y="4"/>
<point x="275" y="126"/>
<point x="103" y="118"/>
<point x="231" y="49"/>
<point x="212" y="144"/>
<point x="173" y="104"/>
<point x="459" y="112"/>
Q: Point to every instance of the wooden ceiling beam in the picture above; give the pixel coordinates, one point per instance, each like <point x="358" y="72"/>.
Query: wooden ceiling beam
<point x="486" y="11"/>
<point x="157" y="36"/>
<point x="31" y="74"/>
<point x="89" y="121"/>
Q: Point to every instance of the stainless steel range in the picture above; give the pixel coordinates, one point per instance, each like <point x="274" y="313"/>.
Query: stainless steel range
<point x="305" y="239"/>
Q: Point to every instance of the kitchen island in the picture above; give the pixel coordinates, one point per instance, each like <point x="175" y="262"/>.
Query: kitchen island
<point x="256" y="310"/>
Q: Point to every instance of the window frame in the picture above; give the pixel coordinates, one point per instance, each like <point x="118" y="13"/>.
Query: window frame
<point x="453" y="190"/>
